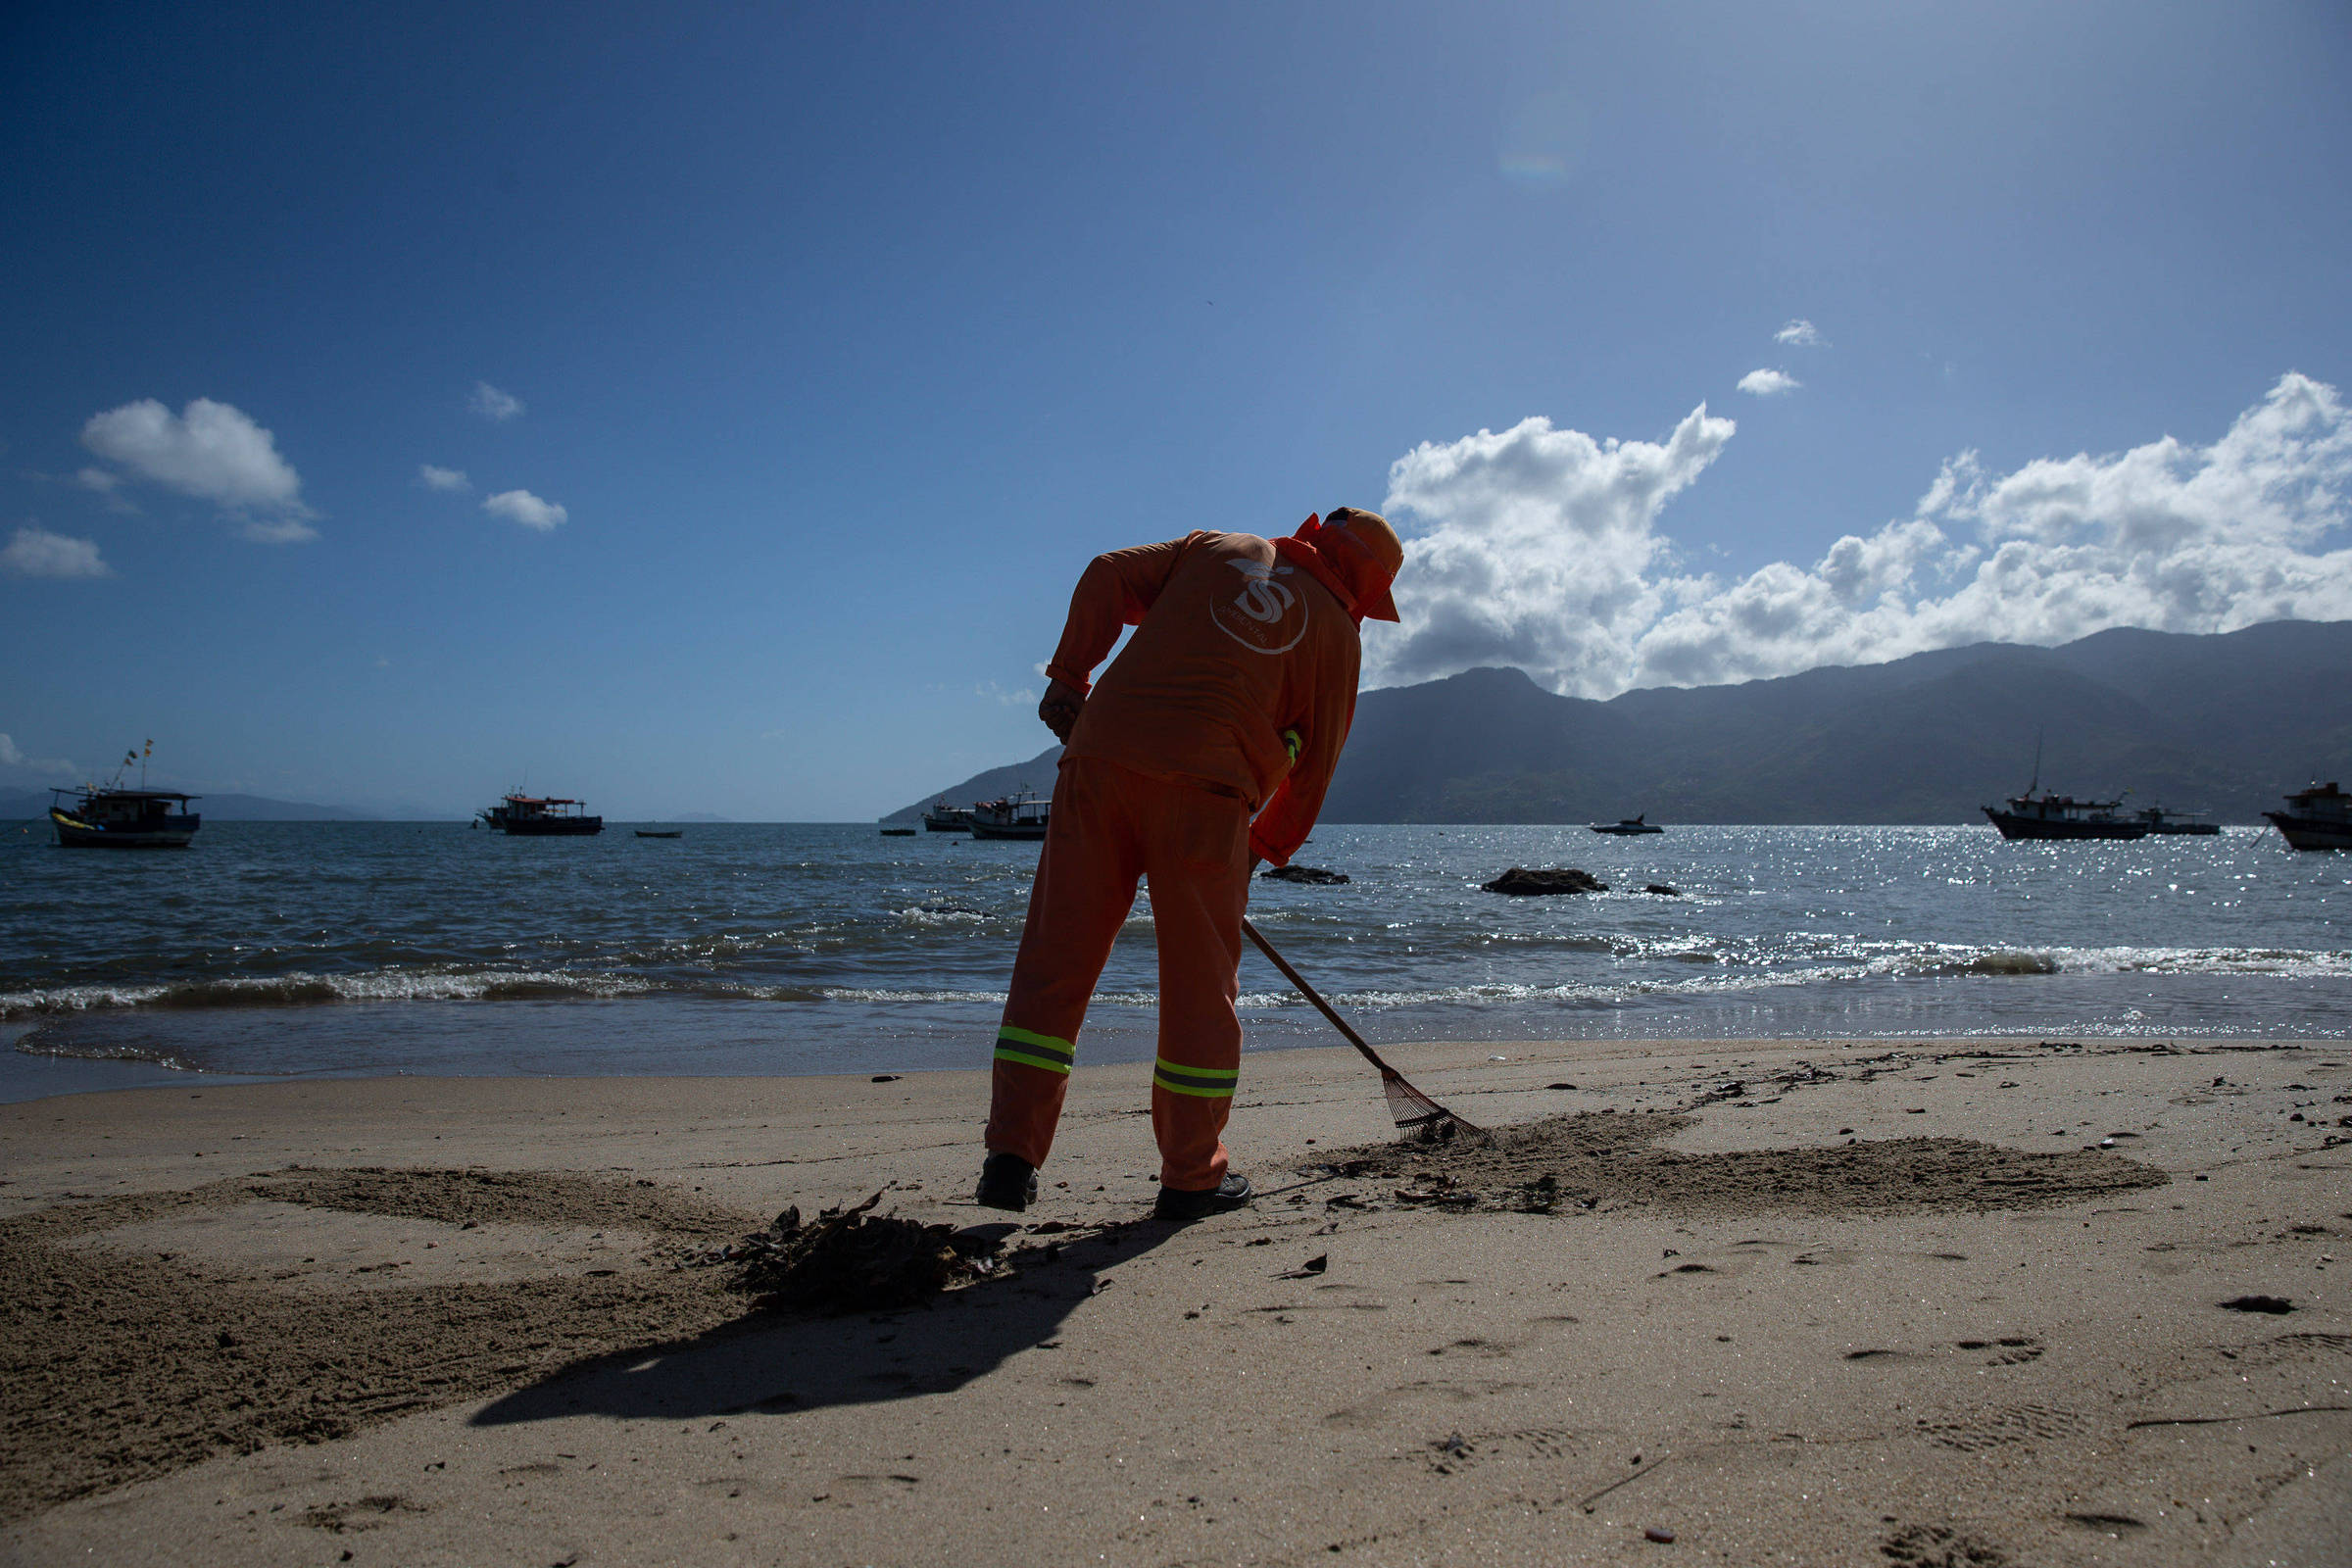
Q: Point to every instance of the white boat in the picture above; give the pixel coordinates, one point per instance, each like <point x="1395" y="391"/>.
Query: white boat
<point x="1013" y="817"/>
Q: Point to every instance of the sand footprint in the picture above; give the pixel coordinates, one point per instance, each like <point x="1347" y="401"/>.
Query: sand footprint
<point x="2014" y="1351"/>
<point x="1379" y="1408"/>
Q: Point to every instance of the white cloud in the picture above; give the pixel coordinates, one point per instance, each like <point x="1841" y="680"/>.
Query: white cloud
<point x="212" y="450"/>
<point x="2171" y="536"/>
<point x="492" y="403"/>
<point x="107" y="485"/>
<point x="1537" y="549"/>
<point x="10" y="756"/>
<point x="35" y="552"/>
<point x="1768" y="383"/>
<point x="1799" y="333"/>
<point x="1019" y="698"/>
<point x="276" y="531"/>
<point x="433" y="478"/>
<point x="525" y="509"/>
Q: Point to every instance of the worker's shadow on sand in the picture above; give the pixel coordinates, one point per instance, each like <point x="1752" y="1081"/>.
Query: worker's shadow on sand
<point x="775" y="1362"/>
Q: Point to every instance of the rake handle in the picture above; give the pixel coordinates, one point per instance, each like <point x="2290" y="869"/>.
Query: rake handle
<point x="1315" y="996"/>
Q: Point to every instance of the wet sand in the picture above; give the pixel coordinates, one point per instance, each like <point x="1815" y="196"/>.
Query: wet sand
<point x="1911" y="1302"/>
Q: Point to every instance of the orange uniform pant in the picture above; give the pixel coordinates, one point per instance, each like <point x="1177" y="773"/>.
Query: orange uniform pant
<point x="1111" y="828"/>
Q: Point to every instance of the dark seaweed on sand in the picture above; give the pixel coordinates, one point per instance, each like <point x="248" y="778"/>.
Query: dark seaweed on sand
<point x="853" y="1260"/>
<point x="1563" y="1164"/>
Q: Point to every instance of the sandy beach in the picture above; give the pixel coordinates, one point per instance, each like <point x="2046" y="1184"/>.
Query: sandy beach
<point x="1959" y="1303"/>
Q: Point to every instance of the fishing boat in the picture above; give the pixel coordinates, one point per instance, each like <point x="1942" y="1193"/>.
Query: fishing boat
<point x="2163" y="820"/>
<point x="2041" y="813"/>
<point x="1011" y="816"/>
<point x="101" y="817"/>
<point x="1627" y="826"/>
<point x="2047" y="815"/>
<point x="2316" y="818"/>
<point x="945" y="818"/>
<point x="540" y="816"/>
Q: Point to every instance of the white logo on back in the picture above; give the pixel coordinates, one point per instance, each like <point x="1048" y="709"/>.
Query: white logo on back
<point x="1261" y="616"/>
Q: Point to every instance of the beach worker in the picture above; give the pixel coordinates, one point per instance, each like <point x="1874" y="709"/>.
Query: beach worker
<point x="1206" y="747"/>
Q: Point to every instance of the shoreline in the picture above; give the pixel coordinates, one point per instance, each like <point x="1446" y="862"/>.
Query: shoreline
<point x="592" y="1040"/>
<point x="1792" y="1362"/>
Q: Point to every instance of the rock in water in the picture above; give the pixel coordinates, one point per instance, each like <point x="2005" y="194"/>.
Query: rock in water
<point x="1303" y="874"/>
<point x="1662" y="889"/>
<point x="1522" y="881"/>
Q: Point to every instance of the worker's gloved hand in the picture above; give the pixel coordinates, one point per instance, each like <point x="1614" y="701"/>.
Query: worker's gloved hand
<point x="1060" y="709"/>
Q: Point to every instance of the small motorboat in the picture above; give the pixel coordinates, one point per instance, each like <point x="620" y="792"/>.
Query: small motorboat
<point x="945" y="818"/>
<point x="661" y="832"/>
<point x="1626" y="825"/>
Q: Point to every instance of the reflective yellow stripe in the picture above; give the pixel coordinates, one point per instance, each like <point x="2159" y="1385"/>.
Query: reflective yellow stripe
<point x="1033" y="1050"/>
<point x="1207" y="1083"/>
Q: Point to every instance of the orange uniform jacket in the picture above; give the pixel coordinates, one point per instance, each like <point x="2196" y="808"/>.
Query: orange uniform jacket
<point x="1241" y="677"/>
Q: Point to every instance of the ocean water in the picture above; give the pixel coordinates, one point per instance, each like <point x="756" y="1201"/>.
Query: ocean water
<point x="284" y="949"/>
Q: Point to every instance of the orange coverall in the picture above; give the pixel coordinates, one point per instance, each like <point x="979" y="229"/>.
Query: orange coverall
<point x="1237" y="688"/>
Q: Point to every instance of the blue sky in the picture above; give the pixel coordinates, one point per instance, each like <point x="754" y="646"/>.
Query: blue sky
<point x="796" y="360"/>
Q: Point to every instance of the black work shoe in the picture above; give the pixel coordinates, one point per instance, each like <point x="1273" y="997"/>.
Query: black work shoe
<point x="1007" y="1181"/>
<point x="1175" y="1204"/>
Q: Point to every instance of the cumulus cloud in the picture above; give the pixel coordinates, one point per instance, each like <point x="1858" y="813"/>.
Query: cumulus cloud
<point x="526" y="509"/>
<point x="1799" y="333"/>
<point x="1538" y="547"/>
<point x="433" y="478"/>
<point x="2171" y="536"/>
<point x="35" y="552"/>
<point x="492" y="403"/>
<point x="10" y="756"/>
<point x="1768" y="383"/>
<point x="210" y="450"/>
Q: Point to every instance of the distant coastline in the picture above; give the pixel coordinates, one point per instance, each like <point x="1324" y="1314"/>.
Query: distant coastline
<point x="2224" y="723"/>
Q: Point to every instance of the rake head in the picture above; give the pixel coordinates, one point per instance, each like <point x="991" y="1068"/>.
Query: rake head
<point x="1420" y="1118"/>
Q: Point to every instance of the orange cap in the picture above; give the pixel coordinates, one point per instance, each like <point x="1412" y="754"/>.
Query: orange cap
<point x="1378" y="555"/>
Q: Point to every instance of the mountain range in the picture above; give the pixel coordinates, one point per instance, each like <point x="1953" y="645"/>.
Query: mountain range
<point x="2224" y="723"/>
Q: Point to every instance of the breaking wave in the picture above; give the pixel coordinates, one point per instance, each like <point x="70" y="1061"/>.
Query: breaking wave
<point x="37" y="1043"/>
<point x="2286" y="962"/>
<point x="313" y="990"/>
<point x="947" y="914"/>
<point x="1730" y="966"/>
